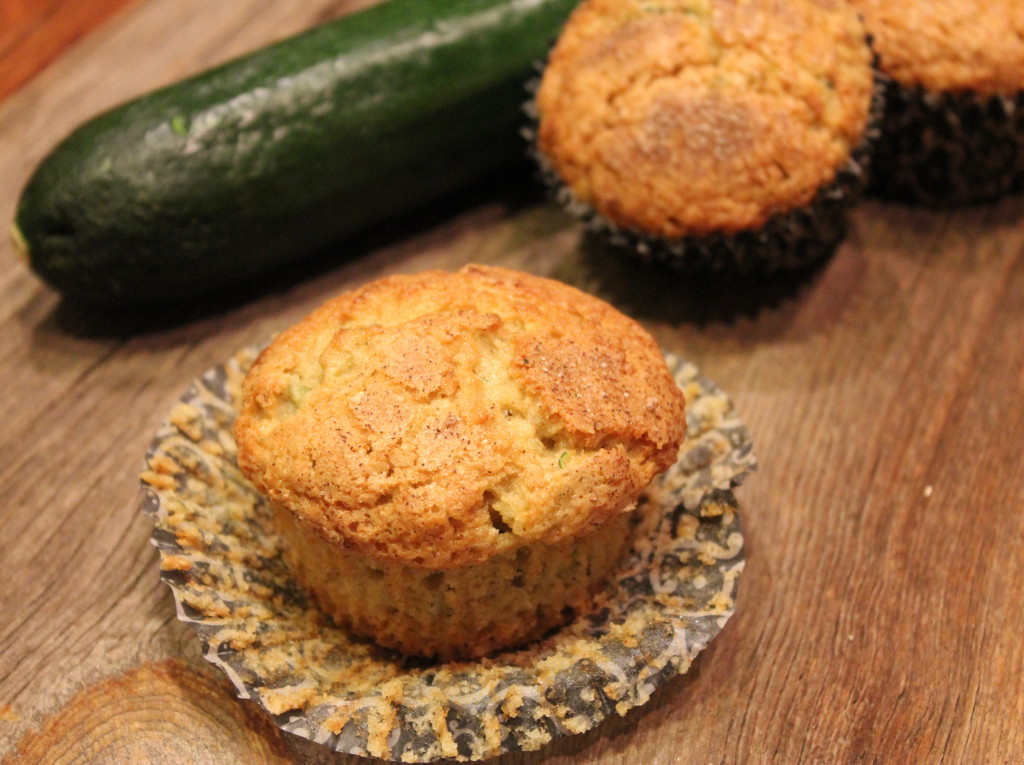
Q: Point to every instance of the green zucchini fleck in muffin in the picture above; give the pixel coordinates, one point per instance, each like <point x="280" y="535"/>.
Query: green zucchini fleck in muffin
<point x="714" y="134"/>
<point x="953" y="130"/>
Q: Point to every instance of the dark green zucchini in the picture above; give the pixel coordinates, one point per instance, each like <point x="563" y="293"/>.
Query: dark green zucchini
<point x="285" y="151"/>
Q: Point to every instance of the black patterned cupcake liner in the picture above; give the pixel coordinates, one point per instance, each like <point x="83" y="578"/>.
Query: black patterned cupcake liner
<point x="945" y="149"/>
<point x="220" y="556"/>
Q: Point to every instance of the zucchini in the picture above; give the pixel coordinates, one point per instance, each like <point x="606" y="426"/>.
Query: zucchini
<point x="285" y="151"/>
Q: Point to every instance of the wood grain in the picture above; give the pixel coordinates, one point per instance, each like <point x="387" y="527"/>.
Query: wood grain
<point x="143" y="713"/>
<point x="879" y="614"/>
<point x="34" y="32"/>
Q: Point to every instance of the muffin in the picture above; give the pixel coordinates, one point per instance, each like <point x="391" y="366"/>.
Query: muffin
<point x="714" y="134"/>
<point x="953" y="129"/>
<point x="452" y="457"/>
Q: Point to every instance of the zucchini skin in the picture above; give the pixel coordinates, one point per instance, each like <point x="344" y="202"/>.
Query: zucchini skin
<point x="285" y="151"/>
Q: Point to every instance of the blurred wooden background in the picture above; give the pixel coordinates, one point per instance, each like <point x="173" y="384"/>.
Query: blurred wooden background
<point x="34" y="32"/>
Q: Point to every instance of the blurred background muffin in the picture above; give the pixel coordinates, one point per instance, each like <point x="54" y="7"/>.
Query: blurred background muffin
<point x="714" y="134"/>
<point x="453" y="457"/>
<point x="953" y="130"/>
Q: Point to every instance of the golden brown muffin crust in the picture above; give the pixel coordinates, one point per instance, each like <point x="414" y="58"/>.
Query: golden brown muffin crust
<point x="439" y="419"/>
<point x="679" y="117"/>
<point x="949" y="45"/>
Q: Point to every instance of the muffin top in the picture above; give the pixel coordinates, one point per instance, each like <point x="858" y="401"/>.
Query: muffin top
<point x="441" y="418"/>
<point x="680" y="117"/>
<point x="949" y="45"/>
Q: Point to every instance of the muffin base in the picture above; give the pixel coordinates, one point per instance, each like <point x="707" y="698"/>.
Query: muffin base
<point x="219" y="553"/>
<point x="787" y="241"/>
<point x="946" y="149"/>
<point x="460" y="613"/>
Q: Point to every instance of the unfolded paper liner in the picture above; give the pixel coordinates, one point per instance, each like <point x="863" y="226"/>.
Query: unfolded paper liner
<point x="673" y="594"/>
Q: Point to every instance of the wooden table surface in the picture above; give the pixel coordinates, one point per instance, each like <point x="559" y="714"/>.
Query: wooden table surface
<point x="881" y="610"/>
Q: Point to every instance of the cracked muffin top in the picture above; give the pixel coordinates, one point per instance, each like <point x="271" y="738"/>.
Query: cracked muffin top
<point x="949" y="45"/>
<point x="687" y="117"/>
<point x="441" y="418"/>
